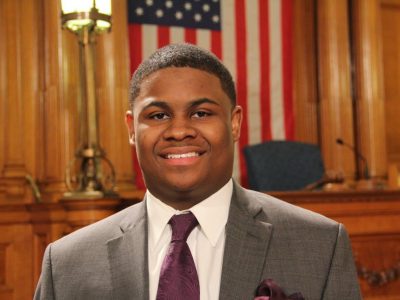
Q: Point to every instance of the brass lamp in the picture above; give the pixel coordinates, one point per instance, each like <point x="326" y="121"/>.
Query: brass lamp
<point x="90" y="174"/>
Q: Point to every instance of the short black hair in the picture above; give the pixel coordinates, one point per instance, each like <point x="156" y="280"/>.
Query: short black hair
<point x="182" y="55"/>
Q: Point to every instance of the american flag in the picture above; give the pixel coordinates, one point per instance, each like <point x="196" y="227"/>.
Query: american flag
<point x="253" y="38"/>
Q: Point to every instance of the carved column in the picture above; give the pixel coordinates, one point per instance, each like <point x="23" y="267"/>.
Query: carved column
<point x="369" y="85"/>
<point x="113" y="78"/>
<point x="304" y="72"/>
<point x="19" y="95"/>
<point x="55" y="110"/>
<point x="336" y="111"/>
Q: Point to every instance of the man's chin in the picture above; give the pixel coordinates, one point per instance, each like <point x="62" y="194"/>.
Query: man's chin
<point x="185" y="187"/>
<point x="181" y="187"/>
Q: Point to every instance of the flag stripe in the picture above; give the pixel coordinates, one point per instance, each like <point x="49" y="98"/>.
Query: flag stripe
<point x="204" y="38"/>
<point x="241" y="67"/>
<point x="277" y="113"/>
<point x="149" y="39"/>
<point x="253" y="72"/>
<point x="135" y="36"/>
<point x="216" y="43"/>
<point x="286" y="25"/>
<point x="177" y="35"/>
<point x="190" y="35"/>
<point x="163" y="36"/>
<point x="265" y="110"/>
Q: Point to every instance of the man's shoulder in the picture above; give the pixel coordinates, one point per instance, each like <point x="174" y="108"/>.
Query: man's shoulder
<point x="281" y="213"/>
<point x="100" y="232"/>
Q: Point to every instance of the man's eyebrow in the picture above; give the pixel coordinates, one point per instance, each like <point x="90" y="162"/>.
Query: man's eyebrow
<point x="202" y="101"/>
<point x="164" y="105"/>
<point x="160" y="104"/>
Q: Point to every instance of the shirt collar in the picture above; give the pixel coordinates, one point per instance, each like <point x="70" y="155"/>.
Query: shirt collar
<point x="211" y="213"/>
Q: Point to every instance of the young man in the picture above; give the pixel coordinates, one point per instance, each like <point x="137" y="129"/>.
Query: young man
<point x="183" y="122"/>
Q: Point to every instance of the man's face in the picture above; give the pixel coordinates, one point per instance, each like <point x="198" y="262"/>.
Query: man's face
<point x="184" y="127"/>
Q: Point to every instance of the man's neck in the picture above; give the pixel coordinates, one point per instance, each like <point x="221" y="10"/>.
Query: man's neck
<point x="184" y="200"/>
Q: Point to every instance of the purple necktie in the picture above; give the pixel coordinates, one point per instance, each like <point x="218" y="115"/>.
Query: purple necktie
<point x="178" y="276"/>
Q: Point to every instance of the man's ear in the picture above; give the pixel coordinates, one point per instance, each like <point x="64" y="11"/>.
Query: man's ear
<point x="236" y="120"/>
<point x="129" y="121"/>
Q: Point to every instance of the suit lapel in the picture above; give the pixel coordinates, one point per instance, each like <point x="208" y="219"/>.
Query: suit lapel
<point x="246" y="248"/>
<point x="127" y="255"/>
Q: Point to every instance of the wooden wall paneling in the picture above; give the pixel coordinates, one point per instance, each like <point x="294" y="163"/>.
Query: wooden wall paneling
<point x="113" y="75"/>
<point x="390" y="16"/>
<point x="22" y="262"/>
<point x="385" y="251"/>
<point x="40" y="242"/>
<point x="54" y="108"/>
<point x="369" y="85"/>
<point x="16" y="253"/>
<point x="304" y="72"/>
<point x="18" y="98"/>
<point x="6" y="289"/>
<point x="14" y="161"/>
<point x="87" y="211"/>
<point x="48" y="224"/>
<point x="30" y="21"/>
<point x="30" y="97"/>
<point x="3" y="90"/>
<point x="336" y="111"/>
<point x="26" y="229"/>
<point x="16" y="238"/>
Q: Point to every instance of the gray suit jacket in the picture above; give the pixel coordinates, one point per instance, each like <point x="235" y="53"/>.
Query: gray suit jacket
<point x="265" y="238"/>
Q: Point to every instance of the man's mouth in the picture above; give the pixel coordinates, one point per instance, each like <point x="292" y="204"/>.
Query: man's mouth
<point x="182" y="155"/>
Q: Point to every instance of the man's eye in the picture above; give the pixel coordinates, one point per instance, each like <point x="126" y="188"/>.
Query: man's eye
<point x="159" y="116"/>
<point x="201" y="114"/>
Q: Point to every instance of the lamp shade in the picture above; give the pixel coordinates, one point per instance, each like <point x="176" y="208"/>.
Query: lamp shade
<point x="77" y="14"/>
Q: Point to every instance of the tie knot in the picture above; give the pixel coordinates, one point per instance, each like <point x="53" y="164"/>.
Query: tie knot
<point x="182" y="225"/>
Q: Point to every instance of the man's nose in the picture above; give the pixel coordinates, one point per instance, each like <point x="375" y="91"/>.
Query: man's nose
<point x="180" y="129"/>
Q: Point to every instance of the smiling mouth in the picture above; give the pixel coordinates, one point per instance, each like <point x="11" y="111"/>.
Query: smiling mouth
<point x="182" y="155"/>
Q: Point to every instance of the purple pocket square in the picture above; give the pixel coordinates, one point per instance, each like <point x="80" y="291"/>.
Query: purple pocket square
<point x="269" y="290"/>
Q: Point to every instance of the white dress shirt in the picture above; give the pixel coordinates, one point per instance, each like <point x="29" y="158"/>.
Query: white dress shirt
<point x="206" y="241"/>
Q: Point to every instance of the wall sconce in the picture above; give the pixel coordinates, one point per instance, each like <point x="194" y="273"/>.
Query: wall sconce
<point x="78" y="15"/>
<point x="90" y="174"/>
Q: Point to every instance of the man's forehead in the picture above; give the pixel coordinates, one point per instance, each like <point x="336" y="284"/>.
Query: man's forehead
<point x="177" y="70"/>
<point x="178" y="81"/>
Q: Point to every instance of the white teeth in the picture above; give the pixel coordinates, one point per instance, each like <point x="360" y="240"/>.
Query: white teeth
<point x="183" y="155"/>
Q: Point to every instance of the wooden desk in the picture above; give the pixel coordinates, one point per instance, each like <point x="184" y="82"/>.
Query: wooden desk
<point x="372" y="219"/>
